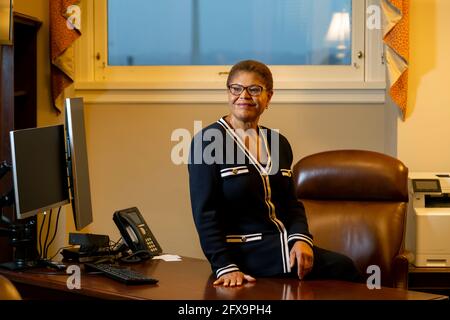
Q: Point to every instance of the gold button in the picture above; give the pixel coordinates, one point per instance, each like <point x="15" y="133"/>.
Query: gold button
<point x="243" y="238"/>
<point x="235" y="171"/>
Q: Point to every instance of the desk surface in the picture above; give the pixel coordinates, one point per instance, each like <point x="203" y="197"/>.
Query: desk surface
<point x="191" y="279"/>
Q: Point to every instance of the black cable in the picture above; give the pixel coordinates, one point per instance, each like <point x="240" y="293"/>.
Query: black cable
<point x="47" y="233"/>
<point x="54" y="233"/>
<point x="137" y="256"/>
<point x="114" y="244"/>
<point x="59" y="249"/>
<point x="40" y="235"/>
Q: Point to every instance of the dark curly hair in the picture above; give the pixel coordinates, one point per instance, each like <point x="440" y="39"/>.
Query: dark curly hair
<point x="252" y="66"/>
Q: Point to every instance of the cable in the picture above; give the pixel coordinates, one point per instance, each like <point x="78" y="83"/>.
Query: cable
<point x="114" y="244"/>
<point x="59" y="249"/>
<point x="47" y="233"/>
<point x="54" y="233"/>
<point x="137" y="256"/>
<point x="40" y="234"/>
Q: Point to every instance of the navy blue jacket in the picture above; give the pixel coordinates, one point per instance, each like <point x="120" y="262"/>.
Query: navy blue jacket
<point x="246" y="214"/>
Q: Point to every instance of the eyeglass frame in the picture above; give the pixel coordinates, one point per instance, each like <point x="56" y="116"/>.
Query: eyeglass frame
<point x="246" y="89"/>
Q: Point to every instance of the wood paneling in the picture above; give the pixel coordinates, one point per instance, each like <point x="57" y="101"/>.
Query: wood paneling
<point x="6" y="124"/>
<point x="17" y="99"/>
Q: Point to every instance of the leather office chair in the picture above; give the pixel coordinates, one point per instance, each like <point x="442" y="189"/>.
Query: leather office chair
<point x="7" y="290"/>
<point x="356" y="203"/>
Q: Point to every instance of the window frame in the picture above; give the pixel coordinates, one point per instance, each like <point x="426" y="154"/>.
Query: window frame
<point x="362" y="81"/>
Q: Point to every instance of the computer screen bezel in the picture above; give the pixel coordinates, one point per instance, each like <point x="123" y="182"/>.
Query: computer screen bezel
<point x="17" y="187"/>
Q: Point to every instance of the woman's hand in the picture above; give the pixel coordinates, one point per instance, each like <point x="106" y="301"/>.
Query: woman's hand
<point x="303" y="254"/>
<point x="234" y="279"/>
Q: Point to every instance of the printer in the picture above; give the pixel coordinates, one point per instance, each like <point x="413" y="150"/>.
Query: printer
<point x="428" y="219"/>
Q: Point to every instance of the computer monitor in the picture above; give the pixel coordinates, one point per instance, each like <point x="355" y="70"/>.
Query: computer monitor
<point x="78" y="163"/>
<point x="39" y="174"/>
<point x="39" y="170"/>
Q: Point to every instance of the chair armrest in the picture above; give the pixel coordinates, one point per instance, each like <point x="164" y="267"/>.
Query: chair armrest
<point x="400" y="266"/>
<point x="409" y="255"/>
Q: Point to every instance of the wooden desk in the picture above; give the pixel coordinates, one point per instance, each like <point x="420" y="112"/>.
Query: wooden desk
<point x="191" y="279"/>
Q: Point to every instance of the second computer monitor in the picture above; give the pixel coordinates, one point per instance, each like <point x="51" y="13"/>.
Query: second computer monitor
<point x="78" y="163"/>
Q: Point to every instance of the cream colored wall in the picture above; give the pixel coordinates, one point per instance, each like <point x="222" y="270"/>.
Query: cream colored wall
<point x="423" y="139"/>
<point x="129" y="150"/>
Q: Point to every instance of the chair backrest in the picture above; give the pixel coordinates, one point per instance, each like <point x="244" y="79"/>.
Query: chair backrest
<point x="356" y="204"/>
<point x="7" y="290"/>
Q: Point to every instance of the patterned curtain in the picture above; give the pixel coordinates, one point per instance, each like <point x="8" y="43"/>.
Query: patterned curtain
<point x="396" y="38"/>
<point x="65" y="17"/>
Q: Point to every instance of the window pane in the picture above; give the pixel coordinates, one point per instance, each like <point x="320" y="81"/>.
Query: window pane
<point x="218" y="32"/>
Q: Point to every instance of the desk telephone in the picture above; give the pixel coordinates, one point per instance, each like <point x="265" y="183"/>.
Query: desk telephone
<point x="136" y="233"/>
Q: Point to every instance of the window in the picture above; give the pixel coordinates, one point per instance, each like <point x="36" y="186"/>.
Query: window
<point x="211" y="32"/>
<point x="313" y="47"/>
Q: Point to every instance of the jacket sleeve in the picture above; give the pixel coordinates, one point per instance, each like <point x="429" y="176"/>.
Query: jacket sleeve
<point x="205" y="193"/>
<point x="297" y="225"/>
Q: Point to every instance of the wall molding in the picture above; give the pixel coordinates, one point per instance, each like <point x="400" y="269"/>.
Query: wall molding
<point x="122" y="93"/>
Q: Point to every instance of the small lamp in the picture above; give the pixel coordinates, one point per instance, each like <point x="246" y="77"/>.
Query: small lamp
<point x="6" y="21"/>
<point x="339" y="31"/>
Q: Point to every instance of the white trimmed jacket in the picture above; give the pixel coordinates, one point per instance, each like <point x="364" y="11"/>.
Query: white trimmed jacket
<point x="246" y="214"/>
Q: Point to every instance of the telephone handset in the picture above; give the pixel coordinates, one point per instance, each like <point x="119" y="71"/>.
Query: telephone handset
<point x="135" y="232"/>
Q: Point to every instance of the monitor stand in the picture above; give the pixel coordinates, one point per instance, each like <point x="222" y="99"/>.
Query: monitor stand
<point x="22" y="236"/>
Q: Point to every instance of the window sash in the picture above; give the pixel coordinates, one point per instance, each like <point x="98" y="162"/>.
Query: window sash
<point x="172" y="77"/>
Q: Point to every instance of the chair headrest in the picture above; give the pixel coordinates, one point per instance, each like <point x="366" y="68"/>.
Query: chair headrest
<point x="357" y="175"/>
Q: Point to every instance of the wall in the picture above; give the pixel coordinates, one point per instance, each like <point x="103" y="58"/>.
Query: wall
<point x="129" y="150"/>
<point x="423" y="139"/>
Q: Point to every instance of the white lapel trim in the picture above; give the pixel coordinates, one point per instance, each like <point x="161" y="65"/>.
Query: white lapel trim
<point x="262" y="170"/>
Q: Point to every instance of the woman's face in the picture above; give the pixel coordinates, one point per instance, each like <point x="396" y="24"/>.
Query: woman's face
<point x="245" y="107"/>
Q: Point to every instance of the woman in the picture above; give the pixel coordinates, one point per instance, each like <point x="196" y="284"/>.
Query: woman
<point x="245" y="210"/>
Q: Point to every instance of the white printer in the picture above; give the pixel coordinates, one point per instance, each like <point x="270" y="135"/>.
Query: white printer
<point x="428" y="220"/>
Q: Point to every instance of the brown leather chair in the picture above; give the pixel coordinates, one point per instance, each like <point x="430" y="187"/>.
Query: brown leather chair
<point x="356" y="203"/>
<point x="7" y="290"/>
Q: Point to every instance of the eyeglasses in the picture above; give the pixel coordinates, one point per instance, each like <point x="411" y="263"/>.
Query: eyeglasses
<point x="253" y="90"/>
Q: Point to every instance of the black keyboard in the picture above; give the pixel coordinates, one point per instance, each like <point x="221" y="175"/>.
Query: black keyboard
<point x="124" y="275"/>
